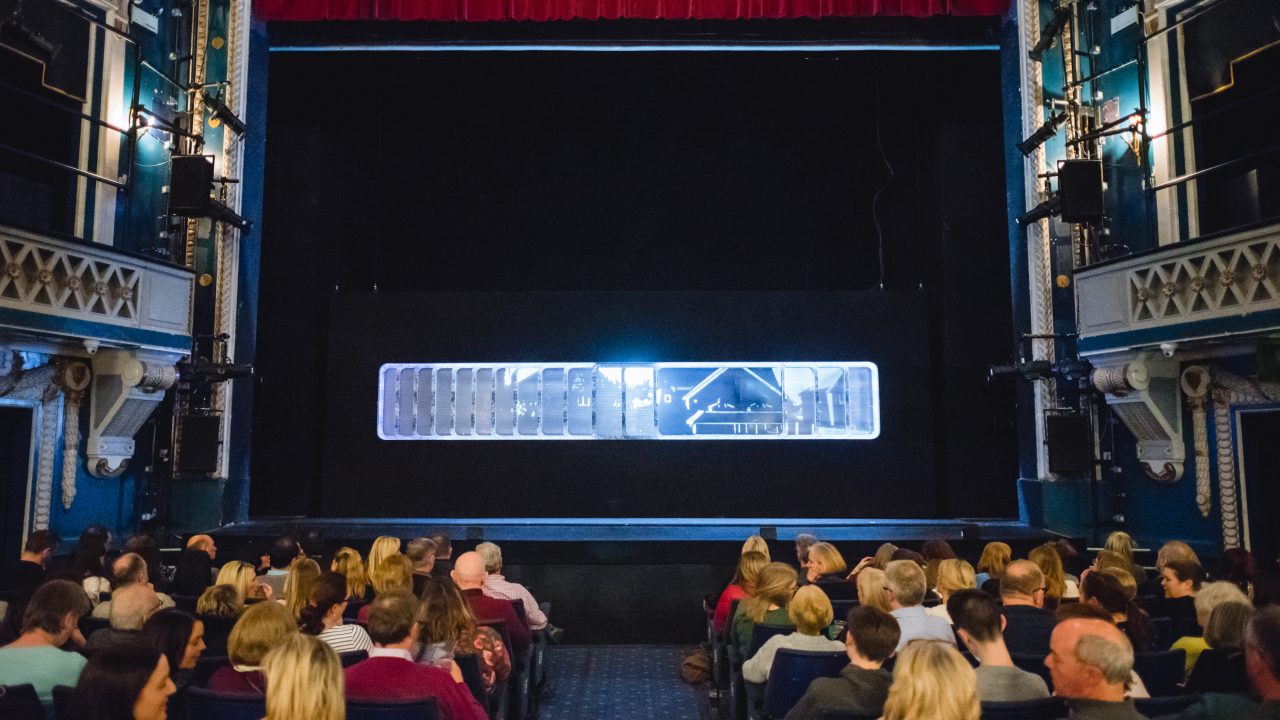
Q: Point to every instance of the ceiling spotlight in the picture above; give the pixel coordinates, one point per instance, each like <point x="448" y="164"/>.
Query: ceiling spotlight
<point x="220" y="110"/>
<point x="1049" y="34"/>
<point x="1042" y="134"/>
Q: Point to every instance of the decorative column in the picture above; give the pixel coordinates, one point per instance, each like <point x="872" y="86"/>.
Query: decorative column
<point x="73" y="377"/>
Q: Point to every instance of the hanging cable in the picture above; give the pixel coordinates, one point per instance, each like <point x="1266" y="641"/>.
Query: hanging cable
<point x="875" y="200"/>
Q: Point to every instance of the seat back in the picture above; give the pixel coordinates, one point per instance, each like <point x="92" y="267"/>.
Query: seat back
<point x="90" y="624"/>
<point x="353" y="609"/>
<point x="1033" y="664"/>
<point x="471" y="675"/>
<point x="1187" y="627"/>
<point x="62" y="702"/>
<point x="186" y="603"/>
<point x="1049" y="708"/>
<point x="416" y="709"/>
<point x="205" y="667"/>
<point x="501" y="627"/>
<point x="518" y="606"/>
<point x="20" y="702"/>
<point x="1161" y="632"/>
<point x="791" y="673"/>
<point x="1167" y="705"/>
<point x="841" y="608"/>
<point x="762" y="632"/>
<point x="205" y="704"/>
<point x="728" y="624"/>
<point x="351" y="658"/>
<point x="1161" y="671"/>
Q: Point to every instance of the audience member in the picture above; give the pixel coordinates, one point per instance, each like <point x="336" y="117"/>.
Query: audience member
<point x="980" y="627"/>
<point x="1058" y="586"/>
<point x="804" y="541"/>
<point x="995" y="556"/>
<point x="906" y="554"/>
<point x="87" y="562"/>
<point x="449" y="629"/>
<point x="422" y="553"/>
<point x="1121" y="542"/>
<point x="394" y="573"/>
<point x="1091" y="662"/>
<point x="390" y="671"/>
<point x="934" y="552"/>
<point x="260" y="628"/>
<point x="1175" y="550"/>
<point x="48" y="624"/>
<point x="384" y="546"/>
<point x="180" y="638"/>
<point x="130" y="607"/>
<point x="1110" y="560"/>
<point x="243" y="576"/>
<point x="905" y="583"/>
<point x="1262" y="660"/>
<point x="497" y="586"/>
<point x="863" y="684"/>
<point x="740" y="587"/>
<point x="811" y="613"/>
<point x="827" y="570"/>
<point x="348" y="563"/>
<point x="322" y="616"/>
<point x="884" y="555"/>
<point x="1027" y="624"/>
<point x="129" y="569"/>
<point x="195" y="568"/>
<point x="1222" y="669"/>
<point x="767" y="605"/>
<point x="218" y="608"/>
<point x="1105" y="591"/>
<point x="444" y="554"/>
<point x="304" y="681"/>
<point x="33" y="565"/>
<point x="1180" y="580"/>
<point x="932" y="680"/>
<point x="282" y="554"/>
<point x="469" y="574"/>
<point x="873" y="589"/>
<point x="953" y="575"/>
<point x="1238" y="568"/>
<point x="147" y="547"/>
<point x="1210" y="596"/>
<point x="757" y="544"/>
<point x="126" y="681"/>
<point x="303" y="572"/>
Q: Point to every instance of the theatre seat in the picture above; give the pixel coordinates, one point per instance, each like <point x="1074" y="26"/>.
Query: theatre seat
<point x="792" y="672"/>
<point x="424" y="709"/>
<point x="20" y="702"/>
<point x="205" y="704"/>
<point x="1162" y="632"/>
<point x="62" y="702"/>
<point x="1167" y="705"/>
<point x="471" y="675"/>
<point x="761" y="633"/>
<point x="1161" y="671"/>
<point x="351" y="658"/>
<point x="1033" y="664"/>
<point x="1049" y="708"/>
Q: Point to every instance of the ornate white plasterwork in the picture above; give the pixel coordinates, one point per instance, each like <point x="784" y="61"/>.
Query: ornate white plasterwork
<point x="37" y="387"/>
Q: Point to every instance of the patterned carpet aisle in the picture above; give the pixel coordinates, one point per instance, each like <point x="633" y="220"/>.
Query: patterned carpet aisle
<point x="620" y="682"/>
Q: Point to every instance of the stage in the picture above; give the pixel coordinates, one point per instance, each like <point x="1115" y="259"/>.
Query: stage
<point x="631" y="580"/>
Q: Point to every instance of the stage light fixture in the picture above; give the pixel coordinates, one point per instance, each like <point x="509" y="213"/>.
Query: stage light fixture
<point x="1050" y="207"/>
<point x="1050" y="32"/>
<point x="1042" y="134"/>
<point x="220" y="110"/>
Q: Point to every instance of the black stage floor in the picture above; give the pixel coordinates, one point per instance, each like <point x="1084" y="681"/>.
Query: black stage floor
<point x="631" y="580"/>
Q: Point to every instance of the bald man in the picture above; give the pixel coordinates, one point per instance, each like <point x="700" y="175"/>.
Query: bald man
<point x="1090" y="662"/>
<point x="469" y="575"/>
<point x="128" y="569"/>
<point x="1027" y="624"/>
<point x="130" y="607"/>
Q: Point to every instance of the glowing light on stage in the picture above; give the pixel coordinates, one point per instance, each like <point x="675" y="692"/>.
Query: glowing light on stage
<point x="619" y="401"/>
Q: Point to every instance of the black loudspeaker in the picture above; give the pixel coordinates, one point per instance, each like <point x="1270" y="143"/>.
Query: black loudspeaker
<point x="1080" y="191"/>
<point x="1070" y="441"/>
<point x="191" y="186"/>
<point x="198" y="439"/>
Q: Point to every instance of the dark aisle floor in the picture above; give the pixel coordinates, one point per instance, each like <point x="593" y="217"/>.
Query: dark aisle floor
<point x="621" y="682"/>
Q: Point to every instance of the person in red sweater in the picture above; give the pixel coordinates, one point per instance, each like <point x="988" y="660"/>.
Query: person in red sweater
<point x="741" y="586"/>
<point x="469" y="574"/>
<point x="391" y="673"/>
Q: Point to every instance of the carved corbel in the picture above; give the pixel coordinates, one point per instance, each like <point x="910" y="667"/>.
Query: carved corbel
<point x="1143" y="391"/>
<point x="73" y="376"/>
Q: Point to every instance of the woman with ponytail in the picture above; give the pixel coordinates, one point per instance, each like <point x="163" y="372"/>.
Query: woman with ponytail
<point x="322" y="616"/>
<point x="1104" y="590"/>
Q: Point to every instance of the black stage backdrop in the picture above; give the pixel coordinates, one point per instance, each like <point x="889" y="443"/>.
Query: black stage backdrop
<point x="468" y="207"/>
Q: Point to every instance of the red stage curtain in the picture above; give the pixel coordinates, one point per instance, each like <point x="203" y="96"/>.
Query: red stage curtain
<point x="549" y="10"/>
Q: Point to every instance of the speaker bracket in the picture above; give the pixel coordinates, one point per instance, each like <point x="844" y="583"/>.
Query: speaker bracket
<point x="1144" y="391"/>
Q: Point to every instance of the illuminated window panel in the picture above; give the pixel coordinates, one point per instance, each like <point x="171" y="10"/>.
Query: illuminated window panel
<point x="629" y="401"/>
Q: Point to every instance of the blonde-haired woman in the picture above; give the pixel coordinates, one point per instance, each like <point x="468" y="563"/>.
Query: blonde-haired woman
<point x="827" y="570"/>
<point x="995" y="556"/>
<point x="932" y="681"/>
<point x="1058" y="586"/>
<point x="383" y="547"/>
<point x="872" y="584"/>
<point x="810" y="611"/>
<point x="1122" y="542"/>
<point x="953" y="575"/>
<point x="767" y="605"/>
<point x="303" y="573"/>
<point x="244" y="577"/>
<point x="261" y="627"/>
<point x="304" y="681"/>
<point x="740" y="587"/>
<point x="394" y="573"/>
<point x="755" y="543"/>
<point x="348" y="562"/>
